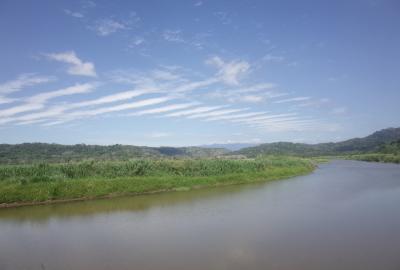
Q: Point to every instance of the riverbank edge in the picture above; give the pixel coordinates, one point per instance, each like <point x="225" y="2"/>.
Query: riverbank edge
<point x="234" y="179"/>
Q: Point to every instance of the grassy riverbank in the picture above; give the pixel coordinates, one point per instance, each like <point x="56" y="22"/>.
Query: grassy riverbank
<point x="376" y="157"/>
<point x="43" y="183"/>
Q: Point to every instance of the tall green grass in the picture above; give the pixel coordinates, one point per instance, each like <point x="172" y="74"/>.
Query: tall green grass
<point x="89" y="179"/>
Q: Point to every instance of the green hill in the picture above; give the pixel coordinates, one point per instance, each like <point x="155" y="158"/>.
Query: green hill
<point x="386" y="140"/>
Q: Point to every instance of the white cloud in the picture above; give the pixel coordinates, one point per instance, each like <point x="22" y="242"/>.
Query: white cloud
<point x="273" y="58"/>
<point x="76" y="89"/>
<point x="263" y="118"/>
<point x="22" y="81"/>
<point x="257" y="88"/>
<point x="215" y="113"/>
<point x="235" y="116"/>
<point x="77" y="66"/>
<point x="60" y="115"/>
<point x="314" y="103"/>
<point x="173" y="36"/>
<point x="165" y="75"/>
<point x="5" y="100"/>
<point x="88" y="4"/>
<point x="121" y="107"/>
<point x="198" y="3"/>
<point x="223" y="17"/>
<point x="137" y="41"/>
<point x="253" y="98"/>
<point x="20" y="109"/>
<point x="229" y="72"/>
<point x="159" y="134"/>
<point x="73" y="14"/>
<point x="250" y="94"/>
<point x="106" y="27"/>
<point x="194" y="111"/>
<point x="111" y="98"/>
<point x="37" y="102"/>
<point x="53" y="111"/>
<point x="295" y="99"/>
<point x="190" y="86"/>
<point x="168" y="108"/>
<point x="339" y="110"/>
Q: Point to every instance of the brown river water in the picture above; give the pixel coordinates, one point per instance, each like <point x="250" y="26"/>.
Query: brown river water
<point x="345" y="215"/>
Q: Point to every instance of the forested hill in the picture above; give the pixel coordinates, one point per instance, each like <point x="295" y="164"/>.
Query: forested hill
<point x="386" y="140"/>
<point x="43" y="152"/>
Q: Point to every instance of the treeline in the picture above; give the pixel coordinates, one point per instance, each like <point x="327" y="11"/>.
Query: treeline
<point x="385" y="141"/>
<point x="28" y="153"/>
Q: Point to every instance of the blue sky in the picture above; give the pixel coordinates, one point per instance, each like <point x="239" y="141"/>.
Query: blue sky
<point x="197" y="72"/>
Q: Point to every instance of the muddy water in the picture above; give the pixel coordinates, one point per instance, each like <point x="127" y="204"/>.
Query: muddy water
<point x="346" y="215"/>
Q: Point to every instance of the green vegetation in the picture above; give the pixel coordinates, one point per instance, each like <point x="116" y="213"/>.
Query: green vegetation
<point x="377" y="157"/>
<point x="384" y="141"/>
<point x="388" y="153"/>
<point x="28" y="153"/>
<point x="83" y="180"/>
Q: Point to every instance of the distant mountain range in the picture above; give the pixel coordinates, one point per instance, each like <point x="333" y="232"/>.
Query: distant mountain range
<point x="229" y="146"/>
<point x="385" y="141"/>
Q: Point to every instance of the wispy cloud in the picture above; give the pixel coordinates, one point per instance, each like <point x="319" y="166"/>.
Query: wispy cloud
<point x="273" y="58"/>
<point x="229" y="72"/>
<point x="173" y="36"/>
<point x="264" y="118"/>
<point x="190" y="86"/>
<point x="88" y="4"/>
<point x="168" y="108"/>
<point x="5" y="100"/>
<point x="216" y="113"/>
<point x="339" y="110"/>
<point x="73" y="13"/>
<point x="77" y="66"/>
<point x="22" y="81"/>
<point x="60" y="114"/>
<point x="223" y="17"/>
<point x="249" y="94"/>
<point x="111" y="98"/>
<point x="106" y="27"/>
<point x="159" y="135"/>
<point x="73" y="90"/>
<point x="121" y="107"/>
<point x="37" y="102"/>
<point x="194" y="111"/>
<point x="20" y="109"/>
<point x="165" y="75"/>
<point x="137" y="41"/>
<point x="235" y="116"/>
<point x="295" y="99"/>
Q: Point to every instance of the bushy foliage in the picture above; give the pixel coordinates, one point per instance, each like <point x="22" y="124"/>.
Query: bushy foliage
<point x="140" y="167"/>
<point x="29" y="153"/>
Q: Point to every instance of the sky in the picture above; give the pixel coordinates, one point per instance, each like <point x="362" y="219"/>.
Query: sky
<point x="197" y="72"/>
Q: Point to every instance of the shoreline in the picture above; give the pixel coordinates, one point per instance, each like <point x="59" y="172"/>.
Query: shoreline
<point x="221" y="181"/>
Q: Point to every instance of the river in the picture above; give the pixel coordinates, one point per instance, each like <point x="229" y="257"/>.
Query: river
<point x="345" y="215"/>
